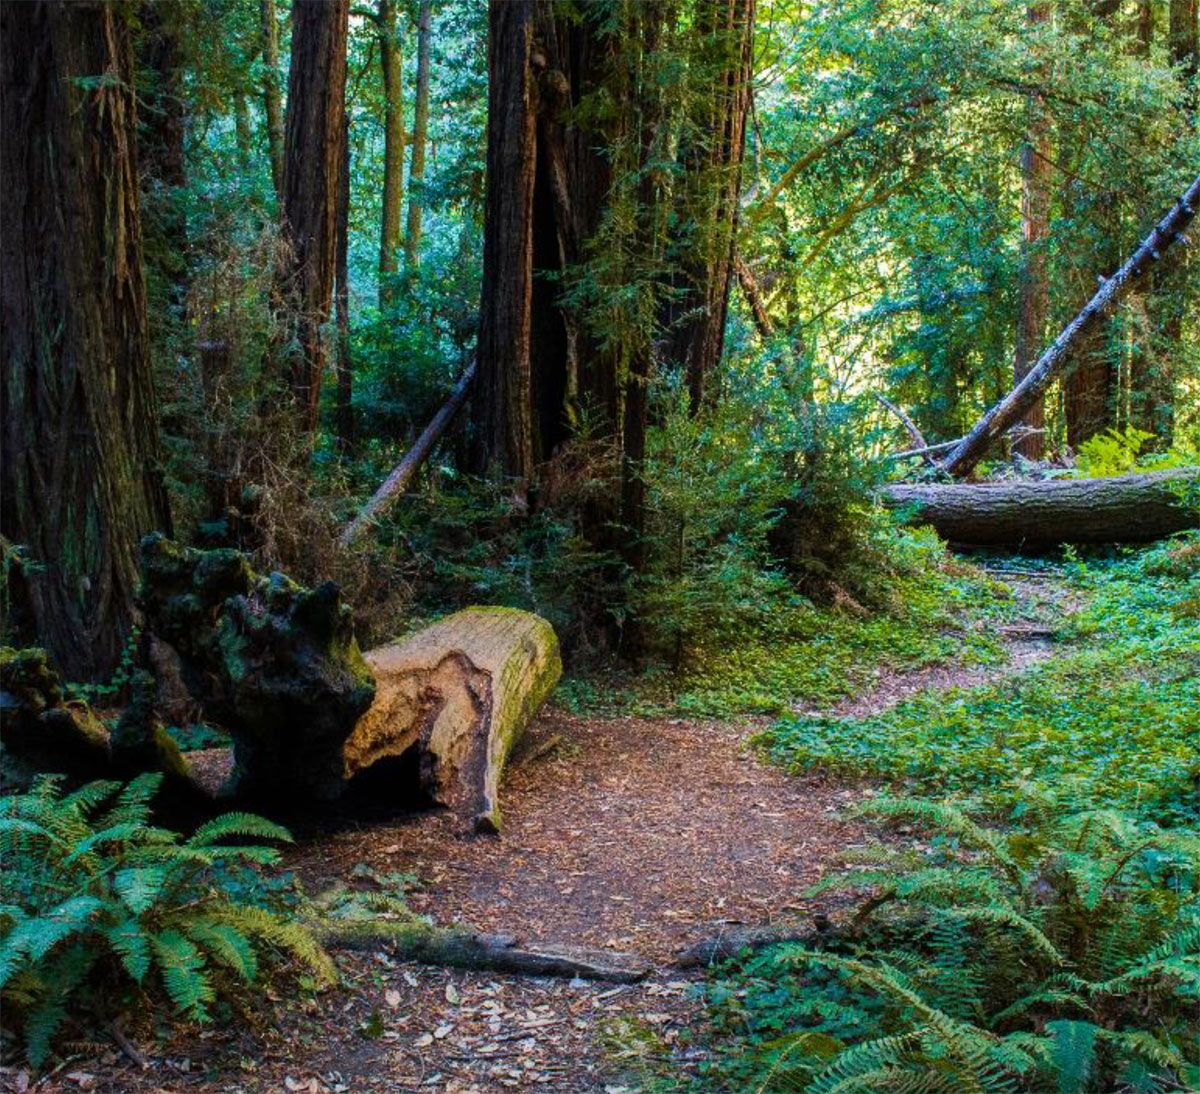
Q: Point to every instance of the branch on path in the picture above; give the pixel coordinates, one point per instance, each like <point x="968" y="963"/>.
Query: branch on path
<point x="464" y="948"/>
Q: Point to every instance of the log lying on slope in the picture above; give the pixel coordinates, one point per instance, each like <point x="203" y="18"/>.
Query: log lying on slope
<point x="1125" y="509"/>
<point x="461" y="692"/>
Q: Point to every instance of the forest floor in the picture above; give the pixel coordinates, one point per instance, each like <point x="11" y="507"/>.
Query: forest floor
<point x="634" y="834"/>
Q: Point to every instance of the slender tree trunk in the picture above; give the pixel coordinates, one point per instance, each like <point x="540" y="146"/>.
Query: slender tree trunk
<point x="272" y="99"/>
<point x="344" y="414"/>
<point x="81" y="471"/>
<point x="1152" y="378"/>
<point x="312" y="166"/>
<point x="416" y="170"/>
<point x="242" y="132"/>
<point x="1089" y="391"/>
<point x="391" y="60"/>
<point x="713" y="161"/>
<point x="1034" y="303"/>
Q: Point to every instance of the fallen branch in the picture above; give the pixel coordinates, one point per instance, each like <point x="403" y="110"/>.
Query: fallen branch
<point x="910" y="426"/>
<point x="926" y="450"/>
<point x="397" y="482"/>
<point x="463" y="948"/>
<point x="1053" y="362"/>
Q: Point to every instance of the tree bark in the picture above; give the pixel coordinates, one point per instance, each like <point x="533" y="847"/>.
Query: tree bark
<point x="461" y="692"/>
<point x="1054" y="360"/>
<point x="391" y="56"/>
<point x="312" y="166"/>
<point x="503" y="408"/>
<point x="272" y="99"/>
<point x="1127" y="509"/>
<point x="344" y="411"/>
<point x="1034" y="303"/>
<point x="81" y="477"/>
<point x="416" y="169"/>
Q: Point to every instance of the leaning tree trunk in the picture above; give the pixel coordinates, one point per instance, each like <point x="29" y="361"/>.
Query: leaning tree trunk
<point x="1128" y="509"/>
<point x="312" y="166"/>
<point x="1170" y="230"/>
<point x="460" y="693"/>
<point x="81" y="470"/>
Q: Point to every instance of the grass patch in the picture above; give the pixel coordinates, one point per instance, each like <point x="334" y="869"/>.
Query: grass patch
<point x="1118" y="716"/>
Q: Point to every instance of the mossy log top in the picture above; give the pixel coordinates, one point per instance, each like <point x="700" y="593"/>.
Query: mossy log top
<point x="1124" y="509"/>
<point x="461" y="692"/>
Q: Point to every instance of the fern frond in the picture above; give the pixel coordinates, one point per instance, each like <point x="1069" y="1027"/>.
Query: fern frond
<point x="243" y="825"/>
<point x="132" y="945"/>
<point x="226" y="944"/>
<point x="33" y="938"/>
<point x="181" y="966"/>
<point x="140" y="886"/>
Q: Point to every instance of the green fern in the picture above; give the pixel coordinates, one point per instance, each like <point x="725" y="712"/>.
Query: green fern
<point x="93" y="896"/>
<point x="1060" y="952"/>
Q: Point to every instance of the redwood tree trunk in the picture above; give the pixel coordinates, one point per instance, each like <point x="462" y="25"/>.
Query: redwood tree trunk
<point x="390" y="60"/>
<point x="1034" y="303"/>
<point x="416" y="169"/>
<point x="81" y="461"/>
<point x="344" y="414"/>
<point x="312" y="164"/>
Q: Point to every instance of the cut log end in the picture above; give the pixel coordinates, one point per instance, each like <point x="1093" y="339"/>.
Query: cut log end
<point x="461" y="692"/>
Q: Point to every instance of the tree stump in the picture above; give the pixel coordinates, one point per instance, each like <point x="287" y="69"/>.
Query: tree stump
<point x="460" y="692"/>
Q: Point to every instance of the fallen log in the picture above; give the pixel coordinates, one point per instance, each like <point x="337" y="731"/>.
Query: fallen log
<point x="464" y="948"/>
<point x="397" y="482"/>
<point x="1125" y="509"/>
<point x="1055" y="360"/>
<point x="460" y="692"/>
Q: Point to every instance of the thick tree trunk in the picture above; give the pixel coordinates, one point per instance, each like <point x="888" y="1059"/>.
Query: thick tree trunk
<point x="391" y="57"/>
<point x="1016" y="403"/>
<point x="81" y="470"/>
<point x="1128" y="509"/>
<point x="1034" y="303"/>
<point x="461" y="692"/>
<point x="713" y="161"/>
<point x="503" y="407"/>
<point x="344" y="412"/>
<point x="312" y="166"/>
<point x="416" y="169"/>
<point x="272" y="99"/>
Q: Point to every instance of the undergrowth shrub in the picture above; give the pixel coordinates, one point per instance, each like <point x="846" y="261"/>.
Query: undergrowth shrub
<point x="1060" y="951"/>
<point x="99" y="908"/>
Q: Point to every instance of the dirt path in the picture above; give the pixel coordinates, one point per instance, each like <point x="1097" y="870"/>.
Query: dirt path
<point x="632" y="834"/>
